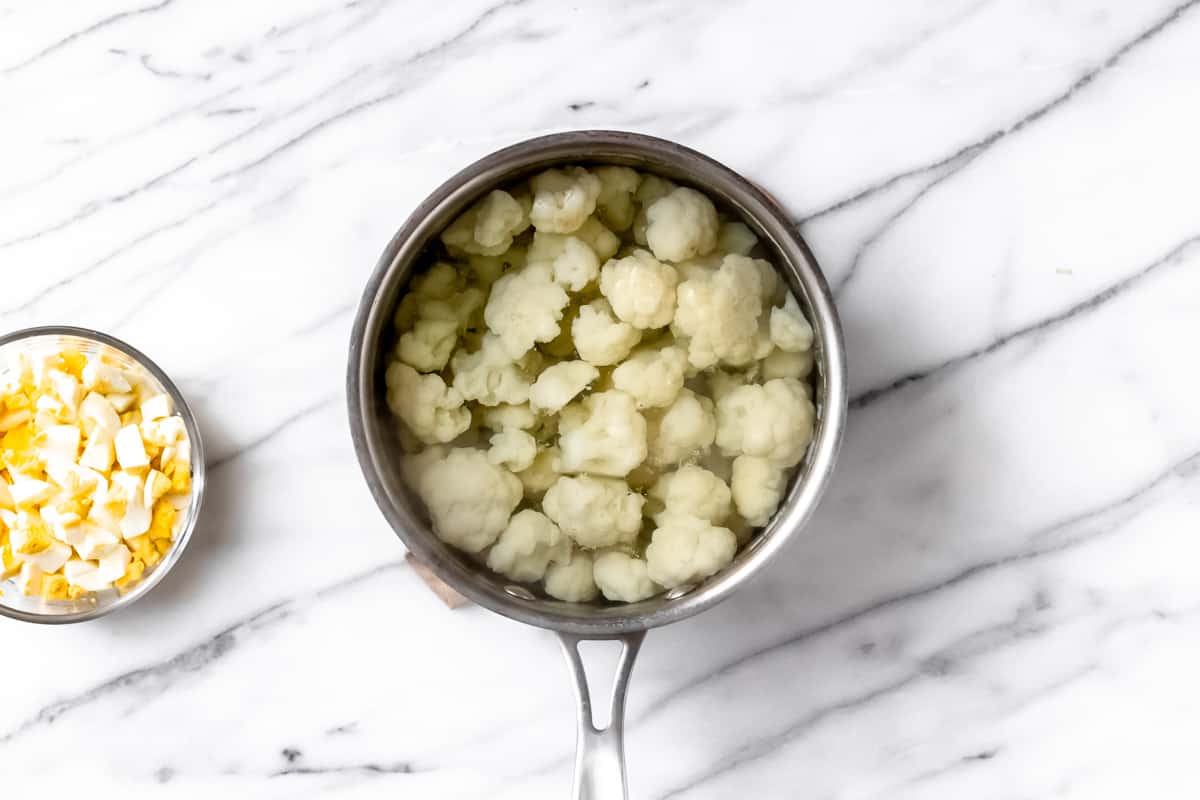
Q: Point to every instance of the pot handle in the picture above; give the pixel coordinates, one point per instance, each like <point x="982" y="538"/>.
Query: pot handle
<point x="600" y="752"/>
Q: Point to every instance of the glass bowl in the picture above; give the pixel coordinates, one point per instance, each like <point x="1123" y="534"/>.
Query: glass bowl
<point x="96" y="604"/>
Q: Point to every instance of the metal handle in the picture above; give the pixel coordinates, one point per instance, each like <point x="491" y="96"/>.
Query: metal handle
<point x="600" y="752"/>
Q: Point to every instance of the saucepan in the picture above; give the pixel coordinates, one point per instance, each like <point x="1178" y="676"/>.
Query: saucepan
<point x="599" y="767"/>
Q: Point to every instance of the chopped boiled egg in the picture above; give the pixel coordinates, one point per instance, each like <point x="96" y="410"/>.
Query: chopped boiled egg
<point x="95" y="468"/>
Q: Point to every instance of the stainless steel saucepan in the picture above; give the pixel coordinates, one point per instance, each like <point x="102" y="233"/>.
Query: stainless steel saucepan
<point x="600" y="767"/>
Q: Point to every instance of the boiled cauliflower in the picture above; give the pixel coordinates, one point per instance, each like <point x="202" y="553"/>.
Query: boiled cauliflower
<point x="622" y="577"/>
<point x="428" y="345"/>
<point x="559" y="384"/>
<point x="653" y="377"/>
<point x="432" y="411"/>
<point x="490" y="375"/>
<point x="463" y="309"/>
<point x="595" y="512"/>
<point x="685" y="549"/>
<point x="572" y="580"/>
<point x="615" y="202"/>
<point x="681" y="225"/>
<point x="527" y="545"/>
<point x="773" y="421"/>
<point x="718" y="314"/>
<point x="486" y="270"/>
<point x="651" y="190"/>
<point x="469" y="498"/>
<point x="512" y="448"/>
<point x="692" y="491"/>
<point x="488" y="227"/>
<point x="604" y="436"/>
<point x="525" y="308"/>
<point x="573" y="263"/>
<point x="440" y="282"/>
<point x="640" y="289"/>
<point x="735" y="237"/>
<point x="758" y="486"/>
<point x="563" y="199"/>
<point x="686" y="427"/>
<point x="542" y="473"/>
<point x="781" y="364"/>
<point x="790" y="331"/>
<point x="507" y="415"/>
<point x="600" y="338"/>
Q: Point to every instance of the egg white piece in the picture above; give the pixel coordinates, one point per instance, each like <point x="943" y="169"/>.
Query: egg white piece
<point x="157" y="407"/>
<point x="85" y="575"/>
<point x="131" y="452"/>
<point x="27" y="491"/>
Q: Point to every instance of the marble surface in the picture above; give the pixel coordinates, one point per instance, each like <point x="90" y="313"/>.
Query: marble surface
<point x="998" y="596"/>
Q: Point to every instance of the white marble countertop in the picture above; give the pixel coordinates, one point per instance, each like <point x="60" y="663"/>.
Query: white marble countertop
<point x="998" y="597"/>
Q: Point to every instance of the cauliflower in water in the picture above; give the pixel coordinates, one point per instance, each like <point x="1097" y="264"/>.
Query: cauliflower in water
<point x="781" y="364"/>
<point x="615" y="203"/>
<point x="542" y="473"/>
<point x="692" y="491"/>
<point x="486" y="270"/>
<point x="428" y="345"/>
<point x="640" y="289"/>
<point x="758" y="486"/>
<point x="469" y="498"/>
<point x="595" y="512"/>
<point x="651" y="189"/>
<point x="527" y="545"/>
<point x="563" y="199"/>
<point x="601" y="339"/>
<point x="506" y="415"/>
<point x="735" y="237"/>
<point x="513" y="448"/>
<point x="525" y="308"/>
<point x="718" y="314"/>
<point x="488" y="227"/>
<point x="604" y="436"/>
<point x="685" y="549"/>
<point x="572" y="580"/>
<point x="489" y="375"/>
<point x="773" y="421"/>
<point x="440" y="282"/>
<point x="431" y="410"/>
<point x="687" y="427"/>
<point x="573" y="263"/>
<point x="623" y="578"/>
<point x="790" y="331"/>
<point x="559" y="384"/>
<point x="653" y="377"/>
<point x="681" y="225"/>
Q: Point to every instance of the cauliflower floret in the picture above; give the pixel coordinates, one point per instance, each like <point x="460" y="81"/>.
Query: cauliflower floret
<point x="469" y="498"/>
<point x="736" y="237"/>
<point x="558" y="385"/>
<point x="440" y="282"/>
<point x="542" y="473"/>
<point x="431" y="410"/>
<point x="641" y="289"/>
<point x="488" y="269"/>
<point x="758" y="486"/>
<point x="615" y="203"/>
<point x="772" y="421"/>
<point x="595" y="512"/>
<point x="652" y="376"/>
<point x="572" y="261"/>
<point x="489" y="375"/>
<point x="651" y="189"/>
<point x="506" y="415"/>
<point x="790" y="331"/>
<point x="721" y="383"/>
<point x="687" y="427"/>
<point x="529" y="544"/>
<point x="681" y="225"/>
<point x="718" y="314"/>
<point x="572" y="580"/>
<point x="428" y="345"/>
<point x="414" y="466"/>
<point x="601" y="339"/>
<point x="685" y="549"/>
<point x="462" y="309"/>
<point x="563" y="199"/>
<point x="512" y="448"/>
<point x="769" y="281"/>
<point x="599" y="238"/>
<point x="488" y="227"/>
<point x="692" y="491"/>
<point x="525" y="308"/>
<point x="780" y="364"/>
<point x="605" y="435"/>
<point x="623" y="578"/>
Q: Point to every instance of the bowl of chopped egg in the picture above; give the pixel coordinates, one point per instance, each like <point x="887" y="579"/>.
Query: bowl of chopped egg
<point x="101" y="474"/>
<point x="596" y="383"/>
